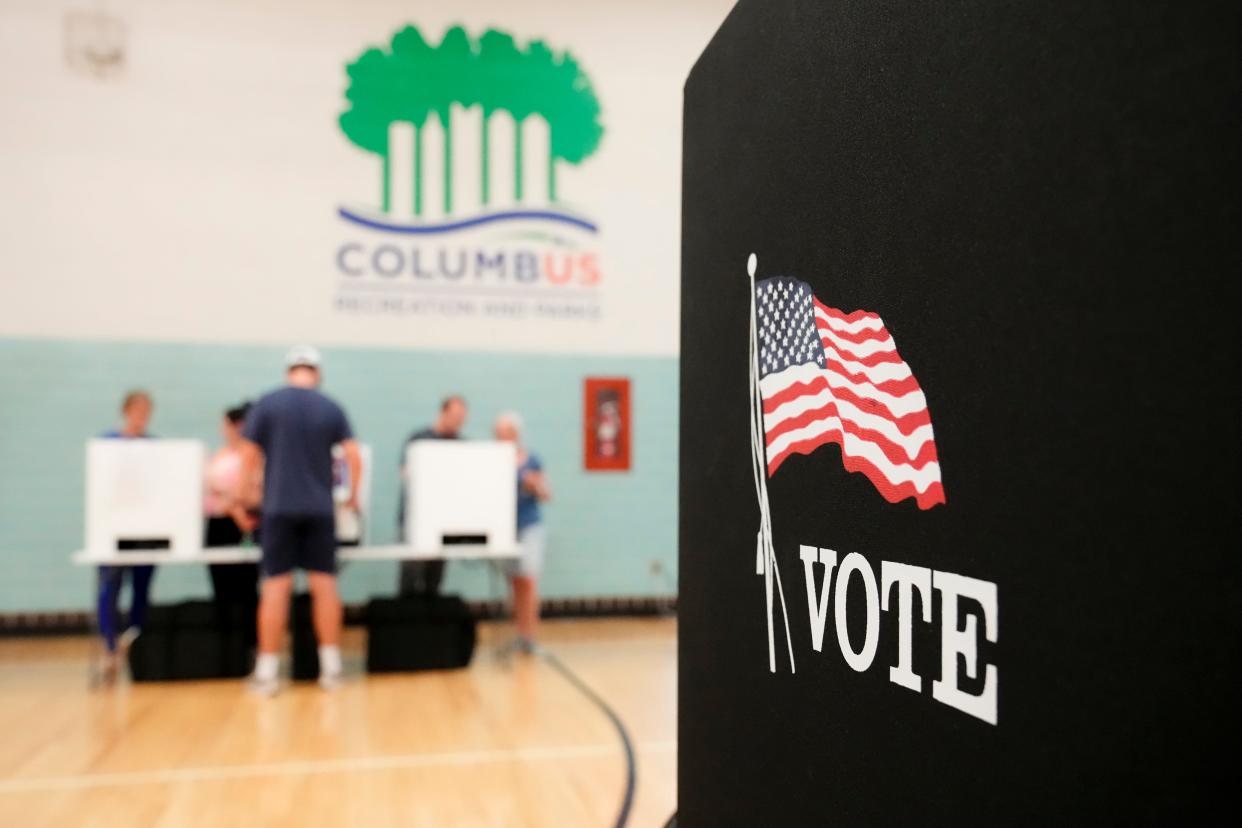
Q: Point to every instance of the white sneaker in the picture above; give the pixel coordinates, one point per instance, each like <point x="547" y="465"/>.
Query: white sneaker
<point x="329" y="681"/>
<point x="109" y="667"/>
<point x="127" y="638"/>
<point x="263" y="687"/>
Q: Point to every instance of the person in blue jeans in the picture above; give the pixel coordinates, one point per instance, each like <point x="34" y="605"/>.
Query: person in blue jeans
<point x="136" y="409"/>
<point x="523" y="572"/>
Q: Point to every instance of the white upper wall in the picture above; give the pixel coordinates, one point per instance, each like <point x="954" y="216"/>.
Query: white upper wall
<point x="195" y="196"/>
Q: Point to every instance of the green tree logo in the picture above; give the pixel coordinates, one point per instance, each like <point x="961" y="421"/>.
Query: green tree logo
<point x="413" y="81"/>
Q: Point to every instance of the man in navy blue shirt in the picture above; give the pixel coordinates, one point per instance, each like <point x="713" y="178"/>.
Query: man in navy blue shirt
<point x="295" y="428"/>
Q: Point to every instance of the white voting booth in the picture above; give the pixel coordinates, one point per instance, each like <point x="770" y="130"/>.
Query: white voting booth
<point x="461" y="493"/>
<point x="462" y="504"/>
<point x="149" y="491"/>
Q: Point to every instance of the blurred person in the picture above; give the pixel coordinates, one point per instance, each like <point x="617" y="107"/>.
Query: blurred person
<point x="295" y="428"/>
<point x="136" y="409"/>
<point x="523" y="572"/>
<point x="424" y="577"/>
<point x="230" y="505"/>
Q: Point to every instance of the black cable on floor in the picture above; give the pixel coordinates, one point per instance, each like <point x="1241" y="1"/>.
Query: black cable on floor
<point x="627" y="801"/>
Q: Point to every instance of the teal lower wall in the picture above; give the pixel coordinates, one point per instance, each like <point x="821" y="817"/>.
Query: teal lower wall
<point x="605" y="529"/>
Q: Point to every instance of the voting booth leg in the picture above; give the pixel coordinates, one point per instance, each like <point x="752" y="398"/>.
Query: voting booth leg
<point x="421" y="577"/>
<point x="94" y="663"/>
<point x="498" y="578"/>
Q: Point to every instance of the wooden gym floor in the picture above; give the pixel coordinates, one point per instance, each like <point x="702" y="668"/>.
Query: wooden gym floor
<point x="506" y="742"/>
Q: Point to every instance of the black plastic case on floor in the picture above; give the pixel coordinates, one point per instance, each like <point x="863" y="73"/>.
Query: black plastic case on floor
<point x="418" y="633"/>
<point x="305" y="647"/>
<point x="193" y="640"/>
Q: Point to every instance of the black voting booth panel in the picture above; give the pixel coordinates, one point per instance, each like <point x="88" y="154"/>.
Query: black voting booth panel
<point x="419" y="632"/>
<point x="1039" y="201"/>
<point x="194" y="640"/>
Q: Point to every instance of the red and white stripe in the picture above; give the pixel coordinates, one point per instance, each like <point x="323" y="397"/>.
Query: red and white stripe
<point x="866" y="400"/>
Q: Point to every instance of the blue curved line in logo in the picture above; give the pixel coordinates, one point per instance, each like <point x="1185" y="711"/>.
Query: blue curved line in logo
<point x="449" y="227"/>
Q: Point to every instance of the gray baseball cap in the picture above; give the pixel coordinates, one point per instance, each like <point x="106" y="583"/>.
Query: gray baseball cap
<point x="300" y="355"/>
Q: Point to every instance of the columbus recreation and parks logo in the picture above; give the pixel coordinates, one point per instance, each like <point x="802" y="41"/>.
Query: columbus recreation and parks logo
<point x="471" y="138"/>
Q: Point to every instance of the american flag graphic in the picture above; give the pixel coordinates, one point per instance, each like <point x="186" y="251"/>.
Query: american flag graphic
<point x="826" y="376"/>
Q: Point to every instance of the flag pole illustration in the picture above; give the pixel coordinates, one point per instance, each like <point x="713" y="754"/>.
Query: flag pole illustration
<point x="765" y="554"/>
<point x="820" y="376"/>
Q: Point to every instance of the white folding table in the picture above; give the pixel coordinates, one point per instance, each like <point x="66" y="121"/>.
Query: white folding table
<point x="251" y="554"/>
